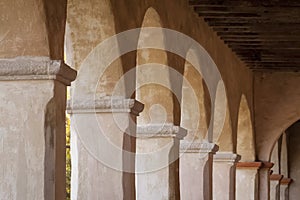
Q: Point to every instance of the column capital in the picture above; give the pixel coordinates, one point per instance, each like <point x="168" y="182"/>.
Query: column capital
<point x="276" y="177"/>
<point x="256" y="165"/>
<point x="286" y="181"/>
<point x="226" y="157"/>
<point x="36" y="68"/>
<point x="267" y="165"/>
<point x="160" y="131"/>
<point x="198" y="147"/>
<point x="252" y="165"/>
<point x="105" y="105"/>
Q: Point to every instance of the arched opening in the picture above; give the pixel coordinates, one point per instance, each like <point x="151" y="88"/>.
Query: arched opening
<point x="195" y="118"/>
<point x="222" y="130"/>
<point x="293" y="160"/>
<point x="195" y="103"/>
<point x="153" y="76"/>
<point x="155" y="144"/>
<point x="245" y="137"/>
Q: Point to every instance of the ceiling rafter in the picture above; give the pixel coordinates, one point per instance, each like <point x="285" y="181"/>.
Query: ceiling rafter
<point x="263" y="33"/>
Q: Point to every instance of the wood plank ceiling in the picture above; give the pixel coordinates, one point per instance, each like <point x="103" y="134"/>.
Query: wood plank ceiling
<point x="265" y="34"/>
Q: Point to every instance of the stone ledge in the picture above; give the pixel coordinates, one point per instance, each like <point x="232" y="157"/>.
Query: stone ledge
<point x="198" y="147"/>
<point x="36" y="68"/>
<point x="160" y="130"/>
<point x="105" y="105"/>
<point x="255" y="165"/>
<point x="226" y="157"/>
<point x="276" y="177"/>
<point x="267" y="165"/>
<point x="286" y="181"/>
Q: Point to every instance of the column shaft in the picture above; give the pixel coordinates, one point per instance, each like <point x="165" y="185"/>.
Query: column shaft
<point x="32" y="127"/>
<point x="246" y="180"/>
<point x="157" y="163"/>
<point x="103" y="148"/>
<point x="264" y="180"/>
<point x="196" y="166"/>
<point x="224" y="175"/>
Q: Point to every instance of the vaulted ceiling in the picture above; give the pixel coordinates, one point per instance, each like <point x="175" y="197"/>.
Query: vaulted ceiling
<point x="265" y="34"/>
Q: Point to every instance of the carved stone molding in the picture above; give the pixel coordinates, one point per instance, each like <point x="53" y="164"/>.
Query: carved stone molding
<point x="286" y="181"/>
<point x="160" y="130"/>
<point x="226" y="157"/>
<point x="252" y="165"/>
<point x="267" y="165"/>
<point x="36" y="68"/>
<point x="198" y="147"/>
<point x="276" y="177"/>
<point x="105" y="105"/>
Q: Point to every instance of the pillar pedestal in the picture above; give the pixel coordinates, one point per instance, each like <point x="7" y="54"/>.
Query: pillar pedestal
<point x="246" y="180"/>
<point x="103" y="148"/>
<point x="264" y="180"/>
<point x="284" y="188"/>
<point x="32" y="127"/>
<point x="224" y="175"/>
<point x="157" y="161"/>
<point x="196" y="170"/>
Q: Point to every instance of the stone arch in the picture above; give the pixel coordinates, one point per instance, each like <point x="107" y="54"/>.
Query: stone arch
<point x="221" y="124"/>
<point x="44" y="32"/>
<point x="293" y="151"/>
<point x="153" y="84"/>
<point x="195" y="103"/>
<point x="99" y="71"/>
<point x="245" y="135"/>
<point x="85" y="52"/>
<point x="275" y="110"/>
<point x="283" y="155"/>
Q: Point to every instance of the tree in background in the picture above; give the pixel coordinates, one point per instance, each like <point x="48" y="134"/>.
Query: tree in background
<point x="68" y="158"/>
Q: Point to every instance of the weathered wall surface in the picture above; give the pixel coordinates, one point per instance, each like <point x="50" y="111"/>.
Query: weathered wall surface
<point x="32" y="28"/>
<point x="91" y="22"/>
<point x="277" y="106"/>
<point x="30" y="140"/>
<point x="87" y="30"/>
<point x="293" y="159"/>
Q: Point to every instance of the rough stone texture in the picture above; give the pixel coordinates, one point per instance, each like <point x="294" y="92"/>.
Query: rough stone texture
<point x="157" y="161"/>
<point x="32" y="140"/>
<point x="32" y="28"/>
<point x="224" y="167"/>
<point x="90" y="22"/>
<point x="276" y="108"/>
<point x="92" y="179"/>
<point x="245" y="135"/>
<point x="196" y="161"/>
<point x="36" y="68"/>
<point x="246" y="183"/>
<point x="33" y="127"/>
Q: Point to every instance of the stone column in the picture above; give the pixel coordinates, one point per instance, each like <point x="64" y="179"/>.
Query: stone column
<point x="264" y="180"/>
<point x="224" y="175"/>
<point x="196" y="170"/>
<point x="275" y="186"/>
<point x="157" y="161"/>
<point x="246" y="180"/>
<point x="103" y="148"/>
<point x="32" y="127"/>
<point x="284" y="188"/>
